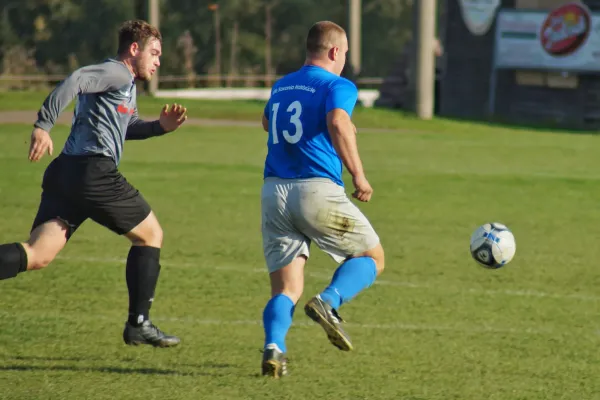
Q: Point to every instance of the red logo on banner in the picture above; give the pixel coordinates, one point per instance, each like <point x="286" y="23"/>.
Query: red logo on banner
<point x="566" y="29"/>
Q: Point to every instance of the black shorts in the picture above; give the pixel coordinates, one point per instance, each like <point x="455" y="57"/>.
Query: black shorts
<point x="76" y="188"/>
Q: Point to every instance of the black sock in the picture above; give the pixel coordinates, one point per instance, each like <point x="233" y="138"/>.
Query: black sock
<point x="143" y="268"/>
<point x="13" y="260"/>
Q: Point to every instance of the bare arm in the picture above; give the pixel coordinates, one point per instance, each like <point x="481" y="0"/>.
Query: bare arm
<point x="265" y="117"/>
<point x="343" y="135"/>
<point x="339" y="104"/>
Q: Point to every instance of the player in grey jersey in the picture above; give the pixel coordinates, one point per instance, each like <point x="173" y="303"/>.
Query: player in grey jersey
<point x="84" y="182"/>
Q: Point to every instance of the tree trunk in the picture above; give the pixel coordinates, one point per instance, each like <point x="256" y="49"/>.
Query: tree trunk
<point x="218" y="45"/>
<point x="268" y="35"/>
<point x="233" y="54"/>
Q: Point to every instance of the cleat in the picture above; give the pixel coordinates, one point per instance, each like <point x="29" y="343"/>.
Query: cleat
<point x="326" y="316"/>
<point x="274" y="363"/>
<point x="148" y="333"/>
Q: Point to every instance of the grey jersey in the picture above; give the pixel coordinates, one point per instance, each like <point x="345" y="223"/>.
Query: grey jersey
<point x="105" y="114"/>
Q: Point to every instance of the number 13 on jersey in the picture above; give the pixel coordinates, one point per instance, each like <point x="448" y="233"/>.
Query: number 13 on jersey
<point x="295" y="109"/>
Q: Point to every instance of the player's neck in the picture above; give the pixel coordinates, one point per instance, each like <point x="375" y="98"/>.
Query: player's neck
<point x="318" y="63"/>
<point x="127" y="62"/>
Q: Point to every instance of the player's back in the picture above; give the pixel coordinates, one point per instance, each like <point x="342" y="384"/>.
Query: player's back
<point x="299" y="145"/>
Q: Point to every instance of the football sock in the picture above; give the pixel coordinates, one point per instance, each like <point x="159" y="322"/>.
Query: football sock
<point x="353" y="276"/>
<point x="13" y="260"/>
<point x="141" y="273"/>
<point x="277" y="319"/>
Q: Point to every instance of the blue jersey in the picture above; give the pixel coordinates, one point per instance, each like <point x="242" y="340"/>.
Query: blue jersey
<point x="299" y="145"/>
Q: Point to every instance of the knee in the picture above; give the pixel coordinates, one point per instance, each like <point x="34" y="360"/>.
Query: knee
<point x="36" y="259"/>
<point x="151" y="236"/>
<point x="39" y="263"/>
<point x="378" y="255"/>
<point x="379" y="260"/>
<point x="156" y="237"/>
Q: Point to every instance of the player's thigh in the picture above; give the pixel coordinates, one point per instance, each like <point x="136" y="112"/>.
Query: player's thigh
<point x="59" y="199"/>
<point x="56" y="221"/>
<point x="333" y="222"/>
<point x="282" y="241"/>
<point x="131" y="217"/>
<point x="114" y="203"/>
<point x="56" y="207"/>
<point x="45" y="242"/>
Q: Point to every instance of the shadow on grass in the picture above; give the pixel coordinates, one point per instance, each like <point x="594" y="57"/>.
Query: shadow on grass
<point x="198" y="370"/>
<point x="113" y="370"/>
<point x="37" y="358"/>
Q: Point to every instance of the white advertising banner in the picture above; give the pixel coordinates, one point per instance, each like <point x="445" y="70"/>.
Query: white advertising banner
<point x="566" y="38"/>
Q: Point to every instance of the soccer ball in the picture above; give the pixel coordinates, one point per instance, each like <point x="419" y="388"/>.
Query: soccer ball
<point x="493" y="245"/>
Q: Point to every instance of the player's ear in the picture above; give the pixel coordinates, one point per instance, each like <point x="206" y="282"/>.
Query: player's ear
<point x="134" y="49"/>
<point x="334" y="53"/>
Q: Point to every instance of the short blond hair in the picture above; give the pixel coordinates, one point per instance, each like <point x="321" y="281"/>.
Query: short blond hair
<point x="322" y="36"/>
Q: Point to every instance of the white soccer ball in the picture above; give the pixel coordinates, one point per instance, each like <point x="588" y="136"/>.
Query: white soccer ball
<point x="493" y="245"/>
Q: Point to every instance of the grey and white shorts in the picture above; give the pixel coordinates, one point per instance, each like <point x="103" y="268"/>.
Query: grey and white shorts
<point x="296" y="212"/>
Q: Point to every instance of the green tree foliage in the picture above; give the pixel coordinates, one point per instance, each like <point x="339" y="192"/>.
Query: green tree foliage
<point x="61" y="35"/>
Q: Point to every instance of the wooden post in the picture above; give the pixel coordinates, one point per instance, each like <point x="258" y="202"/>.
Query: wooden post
<point x="354" y="23"/>
<point x="268" y="36"/>
<point x="154" y="12"/>
<point x="217" y="43"/>
<point x="425" y="60"/>
<point x="233" y="54"/>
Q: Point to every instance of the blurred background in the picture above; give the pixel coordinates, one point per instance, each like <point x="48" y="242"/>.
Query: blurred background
<point x="228" y="43"/>
<point x="489" y="57"/>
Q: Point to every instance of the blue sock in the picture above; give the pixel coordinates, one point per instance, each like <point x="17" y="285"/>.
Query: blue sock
<point x="348" y="280"/>
<point x="277" y="319"/>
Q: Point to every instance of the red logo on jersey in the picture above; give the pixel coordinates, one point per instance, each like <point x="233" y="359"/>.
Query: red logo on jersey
<point x="565" y="29"/>
<point x="123" y="109"/>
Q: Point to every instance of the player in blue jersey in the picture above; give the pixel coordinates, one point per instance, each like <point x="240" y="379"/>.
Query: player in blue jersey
<point x="311" y="137"/>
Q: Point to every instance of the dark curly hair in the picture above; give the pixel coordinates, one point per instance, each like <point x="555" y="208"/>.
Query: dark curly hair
<point x="136" y="31"/>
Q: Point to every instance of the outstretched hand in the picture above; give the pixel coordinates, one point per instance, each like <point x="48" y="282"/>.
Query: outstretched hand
<point x="41" y="142"/>
<point x="171" y="119"/>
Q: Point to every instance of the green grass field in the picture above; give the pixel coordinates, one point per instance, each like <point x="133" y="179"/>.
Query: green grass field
<point x="435" y="326"/>
<point x="243" y="110"/>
